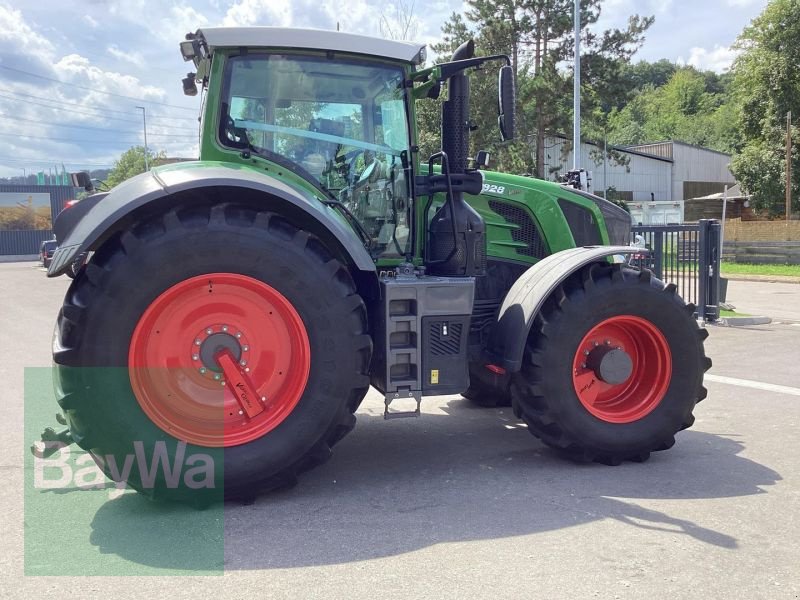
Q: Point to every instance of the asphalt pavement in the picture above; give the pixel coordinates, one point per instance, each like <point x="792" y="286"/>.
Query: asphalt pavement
<point x="462" y="502"/>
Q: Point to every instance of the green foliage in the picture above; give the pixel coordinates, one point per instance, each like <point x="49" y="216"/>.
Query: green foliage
<point x="690" y="106"/>
<point x="131" y="163"/>
<point x="767" y="86"/>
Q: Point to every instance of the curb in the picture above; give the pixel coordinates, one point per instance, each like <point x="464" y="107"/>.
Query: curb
<point x="743" y="321"/>
<point x="762" y="278"/>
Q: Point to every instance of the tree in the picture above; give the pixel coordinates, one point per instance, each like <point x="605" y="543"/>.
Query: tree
<point x="399" y="23"/>
<point x="537" y="35"/>
<point x="767" y="86"/>
<point x="691" y="106"/>
<point x="131" y="163"/>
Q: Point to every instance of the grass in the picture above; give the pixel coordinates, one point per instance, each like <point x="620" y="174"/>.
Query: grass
<point x="732" y="313"/>
<point x="729" y="268"/>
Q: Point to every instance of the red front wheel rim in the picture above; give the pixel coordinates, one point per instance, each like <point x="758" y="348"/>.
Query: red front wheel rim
<point x="650" y="369"/>
<point x="186" y="391"/>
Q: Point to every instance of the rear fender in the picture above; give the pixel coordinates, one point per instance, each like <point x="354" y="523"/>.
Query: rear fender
<point x="524" y="300"/>
<point x="101" y="219"/>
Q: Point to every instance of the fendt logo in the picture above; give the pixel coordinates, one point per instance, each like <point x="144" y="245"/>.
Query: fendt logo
<point x="64" y="469"/>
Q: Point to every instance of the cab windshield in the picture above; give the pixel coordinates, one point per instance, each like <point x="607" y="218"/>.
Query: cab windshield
<point x="340" y="124"/>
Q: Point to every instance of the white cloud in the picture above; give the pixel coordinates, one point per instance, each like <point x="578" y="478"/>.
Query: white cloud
<point x="90" y="21"/>
<point x="718" y="60"/>
<point x="20" y="45"/>
<point x="260" y="12"/>
<point x="134" y="58"/>
<point x="79" y="70"/>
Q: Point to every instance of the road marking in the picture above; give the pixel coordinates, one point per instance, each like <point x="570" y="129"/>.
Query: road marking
<point x="756" y="385"/>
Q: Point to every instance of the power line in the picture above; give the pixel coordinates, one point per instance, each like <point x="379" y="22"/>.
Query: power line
<point x="71" y="141"/>
<point x="78" y="112"/>
<point x="39" y="122"/>
<point x="84" y="87"/>
<point x="86" y="113"/>
<point x="90" y="106"/>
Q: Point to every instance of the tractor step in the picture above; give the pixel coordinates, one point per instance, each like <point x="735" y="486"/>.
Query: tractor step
<point x="401" y="414"/>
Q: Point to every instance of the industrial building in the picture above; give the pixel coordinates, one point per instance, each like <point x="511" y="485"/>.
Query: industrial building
<point x="655" y="179"/>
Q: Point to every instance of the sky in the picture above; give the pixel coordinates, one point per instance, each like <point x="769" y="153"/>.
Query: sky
<point x="73" y="72"/>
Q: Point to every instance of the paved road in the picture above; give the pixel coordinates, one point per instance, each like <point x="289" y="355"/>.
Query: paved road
<point x="780" y="301"/>
<point x="460" y="503"/>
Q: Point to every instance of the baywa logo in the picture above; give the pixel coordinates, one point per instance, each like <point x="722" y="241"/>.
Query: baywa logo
<point x="56" y="466"/>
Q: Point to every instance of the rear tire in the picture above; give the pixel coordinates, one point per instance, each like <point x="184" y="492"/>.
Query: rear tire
<point x="105" y="303"/>
<point x="631" y="420"/>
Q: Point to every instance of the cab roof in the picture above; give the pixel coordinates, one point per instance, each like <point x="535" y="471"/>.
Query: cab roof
<point x="311" y="39"/>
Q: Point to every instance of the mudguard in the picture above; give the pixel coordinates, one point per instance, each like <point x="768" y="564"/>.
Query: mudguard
<point x="106" y="215"/>
<point x="526" y="297"/>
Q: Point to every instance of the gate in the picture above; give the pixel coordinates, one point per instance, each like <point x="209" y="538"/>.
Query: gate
<point x="687" y="256"/>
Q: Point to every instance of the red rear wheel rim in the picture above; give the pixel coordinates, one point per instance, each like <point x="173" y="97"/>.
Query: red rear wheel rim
<point x="184" y="392"/>
<point x="651" y="370"/>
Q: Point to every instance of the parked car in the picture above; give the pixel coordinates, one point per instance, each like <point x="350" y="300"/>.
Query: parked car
<point x="46" y="251"/>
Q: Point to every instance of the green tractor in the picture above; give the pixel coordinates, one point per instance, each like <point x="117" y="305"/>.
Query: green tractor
<point x="229" y="315"/>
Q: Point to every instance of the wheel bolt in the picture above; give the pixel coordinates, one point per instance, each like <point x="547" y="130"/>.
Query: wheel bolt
<point x="238" y="334"/>
<point x="596" y="344"/>
<point x="263" y="398"/>
<point x="195" y="357"/>
<point x="197" y="342"/>
<point x="608" y="342"/>
<point x="586" y="353"/>
<point x="202" y="370"/>
<point x="247" y="369"/>
<point x="224" y="328"/>
<point x="245" y="348"/>
<point x="240" y="412"/>
<point x="216" y="377"/>
<point x="243" y="362"/>
<point x="583" y="365"/>
<point x="209" y="331"/>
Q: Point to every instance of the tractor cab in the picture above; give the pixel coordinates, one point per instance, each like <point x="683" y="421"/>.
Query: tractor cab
<point x="336" y="111"/>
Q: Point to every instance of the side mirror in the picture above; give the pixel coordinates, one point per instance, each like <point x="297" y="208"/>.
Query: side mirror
<point x="505" y="103"/>
<point x="189" y="86"/>
<point x="82" y="180"/>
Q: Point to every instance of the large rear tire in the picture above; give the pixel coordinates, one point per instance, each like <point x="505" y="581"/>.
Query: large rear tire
<point x="134" y="381"/>
<point x="647" y="340"/>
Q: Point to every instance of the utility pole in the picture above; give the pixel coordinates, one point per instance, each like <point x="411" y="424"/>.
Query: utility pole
<point x="789" y="165"/>
<point x="605" y="162"/>
<point x="576" y="127"/>
<point x="144" y="125"/>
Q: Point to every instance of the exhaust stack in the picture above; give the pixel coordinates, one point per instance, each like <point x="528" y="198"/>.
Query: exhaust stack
<point x="457" y="233"/>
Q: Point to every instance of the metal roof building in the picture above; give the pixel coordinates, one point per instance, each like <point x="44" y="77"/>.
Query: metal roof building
<point x="665" y="171"/>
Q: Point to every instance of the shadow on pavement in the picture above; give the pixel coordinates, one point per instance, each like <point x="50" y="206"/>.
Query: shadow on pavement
<point x="395" y="487"/>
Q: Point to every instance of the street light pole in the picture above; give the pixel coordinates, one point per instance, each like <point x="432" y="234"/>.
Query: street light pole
<point x="576" y="127"/>
<point x="144" y="125"/>
<point x="788" y="165"/>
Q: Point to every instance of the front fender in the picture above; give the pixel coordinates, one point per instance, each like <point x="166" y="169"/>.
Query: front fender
<point x="107" y="216"/>
<point x="525" y="299"/>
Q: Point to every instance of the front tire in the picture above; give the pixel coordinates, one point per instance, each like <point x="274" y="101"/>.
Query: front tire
<point x="561" y="393"/>
<point x="130" y="373"/>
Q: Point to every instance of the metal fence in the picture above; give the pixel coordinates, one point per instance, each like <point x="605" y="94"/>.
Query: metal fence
<point x="23" y="242"/>
<point x="687" y="256"/>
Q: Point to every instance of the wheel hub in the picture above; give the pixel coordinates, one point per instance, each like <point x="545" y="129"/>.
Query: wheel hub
<point x="622" y="369"/>
<point x="611" y="365"/>
<point x="213" y="345"/>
